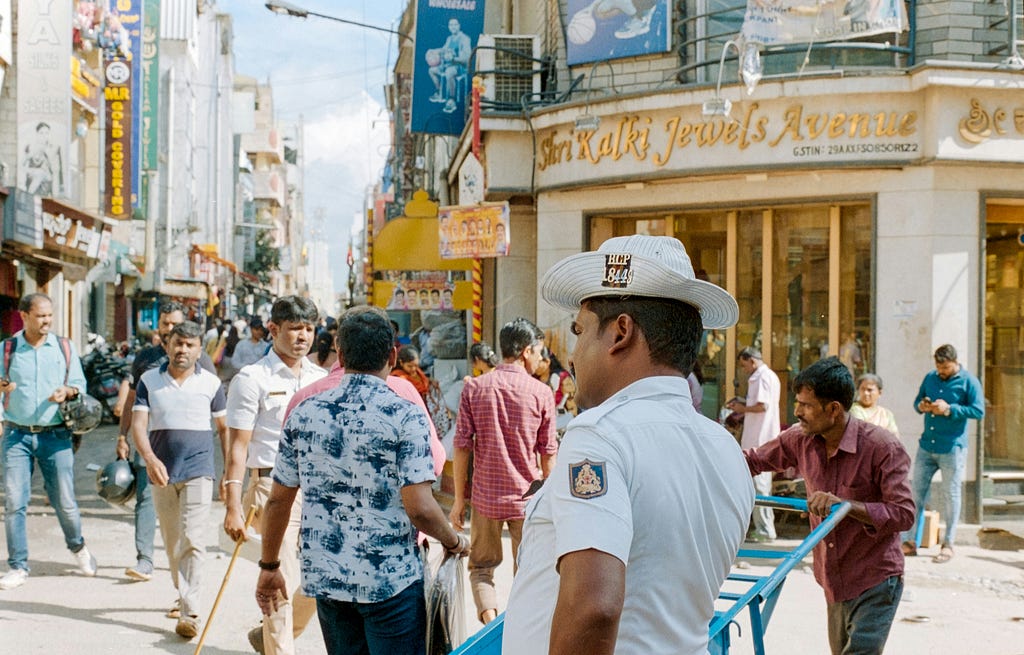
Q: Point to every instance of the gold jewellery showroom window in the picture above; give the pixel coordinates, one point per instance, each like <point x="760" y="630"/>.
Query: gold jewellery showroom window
<point x="801" y="275"/>
<point x="1004" y="337"/>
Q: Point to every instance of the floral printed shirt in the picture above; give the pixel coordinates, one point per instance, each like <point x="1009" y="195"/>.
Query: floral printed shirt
<point x="351" y="449"/>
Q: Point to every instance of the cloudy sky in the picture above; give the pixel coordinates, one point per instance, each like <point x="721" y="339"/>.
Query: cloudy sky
<point x="333" y="76"/>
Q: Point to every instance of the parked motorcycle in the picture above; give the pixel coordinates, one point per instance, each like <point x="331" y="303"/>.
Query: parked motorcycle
<point x="104" y="371"/>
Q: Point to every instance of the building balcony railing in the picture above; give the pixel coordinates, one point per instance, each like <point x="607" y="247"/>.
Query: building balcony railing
<point x="520" y="77"/>
<point x="265" y="143"/>
<point x="268" y="185"/>
<point x="706" y="25"/>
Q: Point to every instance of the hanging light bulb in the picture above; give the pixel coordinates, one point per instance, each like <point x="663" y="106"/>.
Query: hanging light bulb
<point x="750" y="66"/>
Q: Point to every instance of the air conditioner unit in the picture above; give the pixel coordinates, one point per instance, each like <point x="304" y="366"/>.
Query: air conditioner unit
<point x="510" y="67"/>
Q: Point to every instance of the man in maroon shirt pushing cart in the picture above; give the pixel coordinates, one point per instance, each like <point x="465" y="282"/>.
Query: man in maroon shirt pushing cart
<point x="859" y="564"/>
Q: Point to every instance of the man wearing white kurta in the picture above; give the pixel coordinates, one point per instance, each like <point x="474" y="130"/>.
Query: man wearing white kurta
<point x="760" y="425"/>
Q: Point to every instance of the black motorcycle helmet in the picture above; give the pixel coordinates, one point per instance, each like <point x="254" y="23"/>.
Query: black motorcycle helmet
<point x="115" y="482"/>
<point x="82" y="414"/>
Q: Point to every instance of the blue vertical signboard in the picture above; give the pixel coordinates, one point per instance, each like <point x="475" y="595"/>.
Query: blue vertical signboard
<point x="446" y="33"/>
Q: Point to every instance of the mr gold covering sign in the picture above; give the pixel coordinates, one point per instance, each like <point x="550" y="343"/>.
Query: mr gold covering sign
<point x="118" y="165"/>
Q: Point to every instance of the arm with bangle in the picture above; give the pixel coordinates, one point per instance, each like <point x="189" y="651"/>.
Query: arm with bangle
<point x="428" y="517"/>
<point x="234" y="472"/>
<point x="277" y="513"/>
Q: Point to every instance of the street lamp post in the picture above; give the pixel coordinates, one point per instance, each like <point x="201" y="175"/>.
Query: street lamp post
<point x="287" y="8"/>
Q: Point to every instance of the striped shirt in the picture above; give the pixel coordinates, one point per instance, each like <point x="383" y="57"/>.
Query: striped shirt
<point x="506" y="418"/>
<point x="180" y="431"/>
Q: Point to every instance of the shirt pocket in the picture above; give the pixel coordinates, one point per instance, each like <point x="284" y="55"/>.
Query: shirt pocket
<point x="275" y="402"/>
<point x="861" y="490"/>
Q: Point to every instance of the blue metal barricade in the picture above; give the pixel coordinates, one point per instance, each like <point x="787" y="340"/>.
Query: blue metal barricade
<point x="759" y="598"/>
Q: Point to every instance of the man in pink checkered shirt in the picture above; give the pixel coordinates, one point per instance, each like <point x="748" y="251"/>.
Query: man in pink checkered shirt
<point x="507" y="422"/>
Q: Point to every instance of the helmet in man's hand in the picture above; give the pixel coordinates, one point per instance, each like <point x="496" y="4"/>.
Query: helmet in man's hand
<point x="82" y="413"/>
<point x="115" y="482"/>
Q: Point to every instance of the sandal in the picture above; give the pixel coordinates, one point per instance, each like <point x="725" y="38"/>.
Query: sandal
<point x="945" y="554"/>
<point x="909" y="549"/>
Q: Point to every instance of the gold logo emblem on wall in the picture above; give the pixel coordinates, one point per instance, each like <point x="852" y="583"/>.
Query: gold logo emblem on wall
<point x="979" y="125"/>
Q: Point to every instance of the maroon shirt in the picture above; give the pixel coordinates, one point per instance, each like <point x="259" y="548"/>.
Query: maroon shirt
<point x="507" y="418"/>
<point x="869" y="466"/>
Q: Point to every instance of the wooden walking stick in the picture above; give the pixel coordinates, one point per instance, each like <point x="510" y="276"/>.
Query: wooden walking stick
<point x="231" y="565"/>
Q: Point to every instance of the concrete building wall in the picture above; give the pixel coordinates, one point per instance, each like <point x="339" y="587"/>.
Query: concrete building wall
<point x="927" y="255"/>
<point x="962" y="30"/>
<point x="515" y="276"/>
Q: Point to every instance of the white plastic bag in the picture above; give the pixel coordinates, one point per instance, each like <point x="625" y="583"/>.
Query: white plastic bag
<point x="446" y="616"/>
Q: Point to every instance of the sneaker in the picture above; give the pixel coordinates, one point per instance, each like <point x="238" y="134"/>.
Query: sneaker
<point x="636" y="26"/>
<point x="256" y="639"/>
<point x="175" y="611"/>
<point x="188" y="626"/>
<point x="450" y="107"/>
<point x="13" y="578"/>
<point x="437" y="97"/>
<point x="86" y="562"/>
<point x="142" y="571"/>
<point x="758" y="538"/>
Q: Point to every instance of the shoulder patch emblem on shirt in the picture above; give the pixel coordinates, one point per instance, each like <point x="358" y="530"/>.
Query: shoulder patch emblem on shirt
<point x="587" y="479"/>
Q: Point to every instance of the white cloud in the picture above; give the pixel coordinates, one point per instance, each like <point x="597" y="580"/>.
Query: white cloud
<point x="346" y="149"/>
<point x="333" y="75"/>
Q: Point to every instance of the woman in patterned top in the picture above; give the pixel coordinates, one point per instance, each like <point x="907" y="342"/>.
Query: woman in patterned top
<point x="869" y="389"/>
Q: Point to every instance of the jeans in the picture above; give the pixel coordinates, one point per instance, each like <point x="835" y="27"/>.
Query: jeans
<point x="52" y="449"/>
<point x="952" y="465"/>
<point x="145" y="512"/>
<point x="184" y="509"/>
<point x="861" y="626"/>
<point x="396" y="626"/>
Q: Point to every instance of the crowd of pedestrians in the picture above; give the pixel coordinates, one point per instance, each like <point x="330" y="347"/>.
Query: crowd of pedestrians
<point x="626" y="506"/>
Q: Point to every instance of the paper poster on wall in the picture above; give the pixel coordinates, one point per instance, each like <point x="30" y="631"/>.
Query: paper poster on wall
<point x="44" y="97"/>
<point x="474" y="231"/>
<point x="421" y="289"/>
<point x="770" y="22"/>
<point x="612" y="29"/>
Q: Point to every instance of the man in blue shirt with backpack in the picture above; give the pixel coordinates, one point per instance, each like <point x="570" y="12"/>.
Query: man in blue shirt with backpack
<point x="40" y="371"/>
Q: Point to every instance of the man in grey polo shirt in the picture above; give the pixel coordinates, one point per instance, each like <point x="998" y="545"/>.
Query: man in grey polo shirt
<point x="174" y="405"/>
<point x="257" y="399"/>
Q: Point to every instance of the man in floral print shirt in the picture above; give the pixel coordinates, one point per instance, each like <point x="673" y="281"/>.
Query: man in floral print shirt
<point x="361" y="455"/>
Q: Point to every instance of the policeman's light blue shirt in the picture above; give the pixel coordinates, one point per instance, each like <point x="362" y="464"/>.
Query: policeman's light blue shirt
<point x="966" y="401"/>
<point x="38" y="372"/>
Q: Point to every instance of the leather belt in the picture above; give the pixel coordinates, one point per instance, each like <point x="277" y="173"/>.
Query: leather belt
<point x="34" y="429"/>
<point x="261" y="473"/>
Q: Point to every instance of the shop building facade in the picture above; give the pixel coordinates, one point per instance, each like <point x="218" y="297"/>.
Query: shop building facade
<point x="873" y="213"/>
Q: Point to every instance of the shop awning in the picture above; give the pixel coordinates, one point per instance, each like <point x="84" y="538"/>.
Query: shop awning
<point x="208" y="251"/>
<point x="194" y="289"/>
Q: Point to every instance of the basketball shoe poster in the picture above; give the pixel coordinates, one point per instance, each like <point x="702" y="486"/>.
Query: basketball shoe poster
<point x="612" y="29"/>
